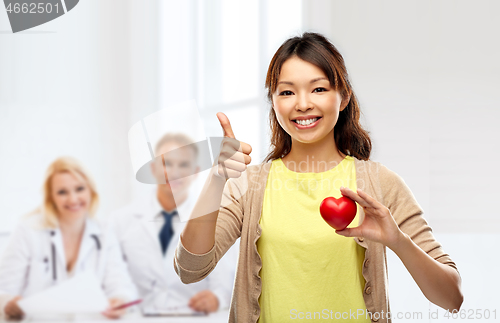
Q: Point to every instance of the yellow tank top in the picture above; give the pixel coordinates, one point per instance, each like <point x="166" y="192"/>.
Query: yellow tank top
<point x="308" y="271"/>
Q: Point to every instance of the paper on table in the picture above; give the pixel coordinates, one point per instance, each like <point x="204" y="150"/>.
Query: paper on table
<point x="183" y="310"/>
<point x="167" y="303"/>
<point x="79" y="294"/>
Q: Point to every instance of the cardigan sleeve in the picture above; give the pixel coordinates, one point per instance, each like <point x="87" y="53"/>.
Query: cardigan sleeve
<point x="191" y="267"/>
<point x="409" y="215"/>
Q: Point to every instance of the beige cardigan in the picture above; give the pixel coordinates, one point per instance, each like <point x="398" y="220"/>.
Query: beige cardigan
<point x="239" y="216"/>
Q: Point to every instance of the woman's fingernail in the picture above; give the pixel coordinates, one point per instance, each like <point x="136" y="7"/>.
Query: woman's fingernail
<point x="342" y="187"/>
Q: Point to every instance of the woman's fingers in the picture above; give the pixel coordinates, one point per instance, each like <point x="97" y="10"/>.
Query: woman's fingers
<point x="228" y="173"/>
<point x="361" y="197"/>
<point x="113" y="313"/>
<point x="204" y="301"/>
<point x="354" y="196"/>
<point x="349" y="232"/>
<point x="233" y="145"/>
<point x="12" y="309"/>
<point x="228" y="152"/>
<point x="245" y="148"/>
<point x="370" y="200"/>
<point x="228" y="133"/>
<point x="234" y="155"/>
<point x="230" y="145"/>
<point x="240" y="158"/>
<point x="378" y="224"/>
<point x="234" y="165"/>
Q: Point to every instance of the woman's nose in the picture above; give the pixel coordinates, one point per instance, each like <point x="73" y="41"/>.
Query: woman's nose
<point x="303" y="103"/>
<point x="73" y="197"/>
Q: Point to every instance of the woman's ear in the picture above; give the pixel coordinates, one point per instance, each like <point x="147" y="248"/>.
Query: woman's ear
<point x="345" y="102"/>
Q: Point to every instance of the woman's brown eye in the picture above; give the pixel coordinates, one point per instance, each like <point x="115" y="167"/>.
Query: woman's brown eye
<point x="286" y="93"/>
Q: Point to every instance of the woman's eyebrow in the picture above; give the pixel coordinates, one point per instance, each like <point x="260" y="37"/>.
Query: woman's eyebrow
<point x="312" y="81"/>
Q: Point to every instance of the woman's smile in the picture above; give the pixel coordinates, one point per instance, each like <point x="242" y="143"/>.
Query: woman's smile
<point x="75" y="207"/>
<point x="306" y="122"/>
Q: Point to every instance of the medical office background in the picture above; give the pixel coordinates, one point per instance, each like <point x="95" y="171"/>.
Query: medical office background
<point x="426" y="74"/>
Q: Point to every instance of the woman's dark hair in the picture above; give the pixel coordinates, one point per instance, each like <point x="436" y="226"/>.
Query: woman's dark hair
<point x="350" y="137"/>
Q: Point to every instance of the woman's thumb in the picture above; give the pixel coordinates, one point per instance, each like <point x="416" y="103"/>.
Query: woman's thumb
<point x="226" y="125"/>
<point x="347" y="232"/>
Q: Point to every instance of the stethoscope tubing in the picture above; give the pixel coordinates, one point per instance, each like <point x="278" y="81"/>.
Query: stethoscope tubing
<point x="53" y="247"/>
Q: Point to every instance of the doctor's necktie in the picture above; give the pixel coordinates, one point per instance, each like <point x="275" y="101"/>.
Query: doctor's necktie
<point x="166" y="232"/>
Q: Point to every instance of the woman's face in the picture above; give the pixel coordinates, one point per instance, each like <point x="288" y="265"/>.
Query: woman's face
<point x="71" y="196"/>
<point x="306" y="105"/>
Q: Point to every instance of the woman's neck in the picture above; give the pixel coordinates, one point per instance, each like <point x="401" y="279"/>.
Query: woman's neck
<point x="313" y="157"/>
<point x="72" y="227"/>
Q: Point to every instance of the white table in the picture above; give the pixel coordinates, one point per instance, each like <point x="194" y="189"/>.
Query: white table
<point x="217" y="317"/>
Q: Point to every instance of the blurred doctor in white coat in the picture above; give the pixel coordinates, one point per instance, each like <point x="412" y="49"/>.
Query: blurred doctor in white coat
<point x="149" y="233"/>
<point x="62" y="239"/>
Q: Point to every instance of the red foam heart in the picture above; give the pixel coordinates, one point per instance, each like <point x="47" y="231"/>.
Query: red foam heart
<point x="338" y="213"/>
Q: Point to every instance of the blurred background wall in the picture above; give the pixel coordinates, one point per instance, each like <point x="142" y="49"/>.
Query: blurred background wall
<point x="426" y="74"/>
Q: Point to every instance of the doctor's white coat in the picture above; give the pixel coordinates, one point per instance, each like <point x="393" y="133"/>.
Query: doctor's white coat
<point x="34" y="260"/>
<point x="137" y="229"/>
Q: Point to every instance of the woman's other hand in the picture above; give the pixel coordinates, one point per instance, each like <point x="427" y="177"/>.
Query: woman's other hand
<point x="234" y="155"/>
<point x="12" y="310"/>
<point x="204" y="301"/>
<point x="112" y="313"/>
<point x="378" y="225"/>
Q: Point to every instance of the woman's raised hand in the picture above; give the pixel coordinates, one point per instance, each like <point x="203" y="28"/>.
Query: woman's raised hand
<point x="234" y="155"/>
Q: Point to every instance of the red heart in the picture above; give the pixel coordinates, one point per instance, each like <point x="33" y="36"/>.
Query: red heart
<point x="338" y="213"/>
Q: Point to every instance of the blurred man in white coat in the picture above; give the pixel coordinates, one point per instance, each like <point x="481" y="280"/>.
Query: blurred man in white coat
<point x="149" y="233"/>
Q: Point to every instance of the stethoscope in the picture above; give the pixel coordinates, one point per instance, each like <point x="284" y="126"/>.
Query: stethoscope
<point x="53" y="249"/>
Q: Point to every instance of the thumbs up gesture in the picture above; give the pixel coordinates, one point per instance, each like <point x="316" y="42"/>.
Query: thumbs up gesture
<point x="234" y="155"/>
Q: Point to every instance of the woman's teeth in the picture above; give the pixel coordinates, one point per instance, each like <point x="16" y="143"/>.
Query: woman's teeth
<point x="306" y="122"/>
<point x="74" y="208"/>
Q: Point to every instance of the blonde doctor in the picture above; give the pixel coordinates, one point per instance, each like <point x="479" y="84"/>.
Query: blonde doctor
<point x="61" y="239"/>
